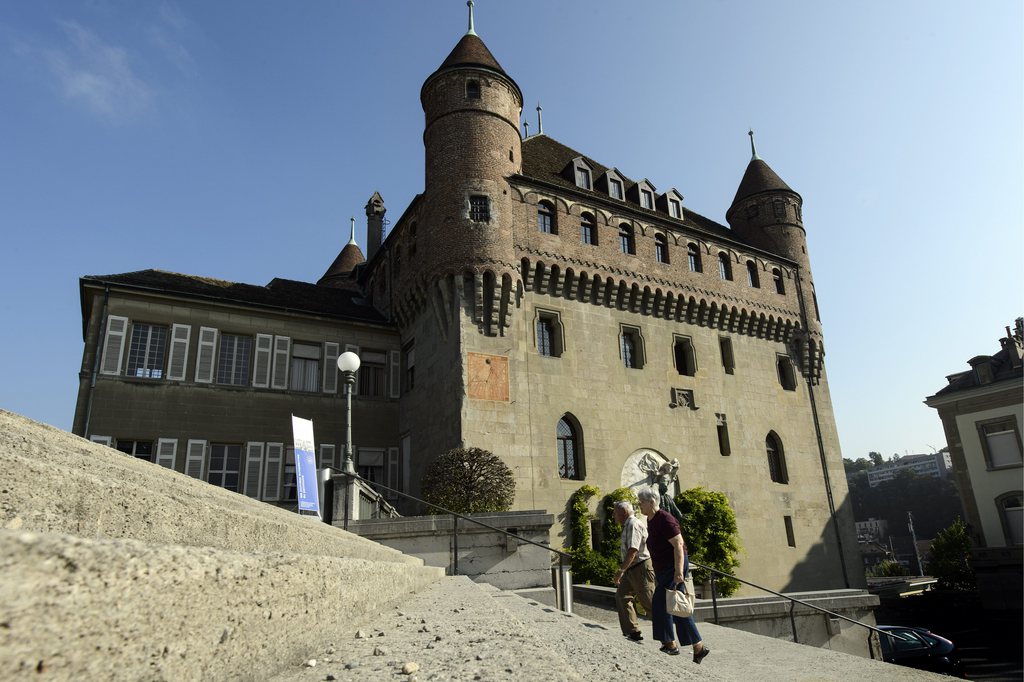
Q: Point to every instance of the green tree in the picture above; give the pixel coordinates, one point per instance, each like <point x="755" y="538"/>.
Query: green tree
<point x="951" y="558"/>
<point x="711" y="534"/>
<point x="588" y="566"/>
<point x="469" y="481"/>
<point x="876" y="458"/>
<point x="888" y="569"/>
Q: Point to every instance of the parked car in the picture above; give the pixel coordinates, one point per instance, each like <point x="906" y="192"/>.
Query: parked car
<point x="920" y="648"/>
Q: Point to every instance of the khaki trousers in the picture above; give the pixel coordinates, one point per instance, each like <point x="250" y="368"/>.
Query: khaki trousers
<point x="637" y="584"/>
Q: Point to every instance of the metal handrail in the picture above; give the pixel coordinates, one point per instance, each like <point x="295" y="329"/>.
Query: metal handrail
<point x="564" y="559"/>
<point x="793" y="602"/>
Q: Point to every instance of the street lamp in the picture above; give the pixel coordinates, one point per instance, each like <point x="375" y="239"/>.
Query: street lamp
<point x="348" y="365"/>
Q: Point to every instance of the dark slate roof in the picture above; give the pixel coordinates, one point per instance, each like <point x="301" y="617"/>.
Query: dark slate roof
<point x="281" y="294"/>
<point x="1003" y="369"/>
<point x="759" y="177"/>
<point x="471" y="51"/>
<point x="341" y="268"/>
<point x="545" y="159"/>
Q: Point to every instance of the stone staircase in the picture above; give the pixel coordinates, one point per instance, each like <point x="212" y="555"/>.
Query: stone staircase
<point x="116" y="569"/>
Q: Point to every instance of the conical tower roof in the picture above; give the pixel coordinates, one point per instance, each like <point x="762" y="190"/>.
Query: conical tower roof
<point x="338" y="275"/>
<point x="471" y="51"/>
<point x="758" y="178"/>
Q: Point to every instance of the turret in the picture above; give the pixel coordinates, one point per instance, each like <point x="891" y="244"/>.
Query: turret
<point x="472" y="144"/>
<point x="339" y="275"/>
<point x="767" y="214"/>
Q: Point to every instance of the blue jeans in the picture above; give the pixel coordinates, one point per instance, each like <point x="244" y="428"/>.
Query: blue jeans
<point x="662" y="621"/>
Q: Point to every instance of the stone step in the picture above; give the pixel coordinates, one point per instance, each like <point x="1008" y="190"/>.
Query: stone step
<point x="53" y="481"/>
<point x="115" y="609"/>
<point x="453" y="629"/>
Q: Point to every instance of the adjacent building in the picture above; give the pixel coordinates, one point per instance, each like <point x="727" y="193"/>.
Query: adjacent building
<point x="578" y="322"/>
<point x="935" y="465"/>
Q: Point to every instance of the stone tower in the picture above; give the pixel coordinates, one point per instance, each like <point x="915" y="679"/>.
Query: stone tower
<point x="767" y="214"/>
<point x="374" y="224"/>
<point x="472" y="144"/>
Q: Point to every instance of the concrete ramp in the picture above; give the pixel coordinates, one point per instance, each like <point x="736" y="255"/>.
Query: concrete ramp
<point x="115" y="568"/>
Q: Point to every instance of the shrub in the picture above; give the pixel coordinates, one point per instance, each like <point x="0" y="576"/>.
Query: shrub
<point x="887" y="569"/>
<point x="951" y="558"/>
<point x="711" y="535"/>
<point x="469" y="481"/>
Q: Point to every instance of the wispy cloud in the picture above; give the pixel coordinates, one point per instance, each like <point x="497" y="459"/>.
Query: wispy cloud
<point x="165" y="34"/>
<point x="98" y="75"/>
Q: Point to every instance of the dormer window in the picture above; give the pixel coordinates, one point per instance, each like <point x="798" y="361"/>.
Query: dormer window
<point x="582" y="177"/>
<point x="472" y="89"/>
<point x="647" y="199"/>
<point x="615" y="189"/>
<point x="674" y="209"/>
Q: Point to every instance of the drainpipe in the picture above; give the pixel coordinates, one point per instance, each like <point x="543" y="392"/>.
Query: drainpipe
<point x="96" y="363"/>
<point x="821" y="444"/>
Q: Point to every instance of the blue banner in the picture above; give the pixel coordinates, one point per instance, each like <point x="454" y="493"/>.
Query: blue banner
<point x="305" y="465"/>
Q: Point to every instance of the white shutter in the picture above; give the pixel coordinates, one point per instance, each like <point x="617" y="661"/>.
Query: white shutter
<point x="395" y="372"/>
<point x="253" y="469"/>
<point x="102" y="440"/>
<point x="205" y="355"/>
<point x="394" y="473"/>
<point x="349" y="348"/>
<point x="261" y="368"/>
<point x="272" y="472"/>
<point x="327" y="455"/>
<point x="195" y="458"/>
<point x="113" y="345"/>
<point x="282" y="351"/>
<point x="166" y="451"/>
<point x="177" y="365"/>
<point x="330" y="367"/>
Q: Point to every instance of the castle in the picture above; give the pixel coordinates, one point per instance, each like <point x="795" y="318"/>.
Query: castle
<point x="531" y="301"/>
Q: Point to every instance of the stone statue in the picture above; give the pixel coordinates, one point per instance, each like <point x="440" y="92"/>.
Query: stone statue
<point x="667" y="473"/>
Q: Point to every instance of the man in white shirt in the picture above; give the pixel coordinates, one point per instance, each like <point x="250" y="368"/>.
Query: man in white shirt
<point x="635" y="578"/>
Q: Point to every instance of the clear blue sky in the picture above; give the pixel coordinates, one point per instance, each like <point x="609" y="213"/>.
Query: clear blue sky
<point x="233" y="139"/>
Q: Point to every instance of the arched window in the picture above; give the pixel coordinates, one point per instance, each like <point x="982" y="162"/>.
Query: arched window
<point x="693" y="255"/>
<point x="588" y="229"/>
<point x="776" y="459"/>
<point x="472" y="89"/>
<point x="626" y="242"/>
<point x="752" y="278"/>
<point x="661" y="248"/>
<point x="724" y="267"/>
<point x="780" y="284"/>
<point x="546" y="218"/>
<point x="570" y="448"/>
<point x="1011" y="513"/>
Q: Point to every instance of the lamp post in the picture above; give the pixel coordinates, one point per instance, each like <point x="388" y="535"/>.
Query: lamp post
<point x="348" y="365"/>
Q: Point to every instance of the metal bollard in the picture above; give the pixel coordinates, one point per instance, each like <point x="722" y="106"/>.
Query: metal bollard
<point x="561" y="579"/>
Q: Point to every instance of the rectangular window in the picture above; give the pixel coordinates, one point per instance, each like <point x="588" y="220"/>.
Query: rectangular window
<point x="479" y="208"/>
<point x="587" y="232"/>
<point x="724" y="448"/>
<point x="728" y="362"/>
<point x="1000" y="441"/>
<point x="304" y="370"/>
<point x="143" y="449"/>
<point x="410" y="366"/>
<point x="631" y="348"/>
<point x="233" y="361"/>
<point x="545" y="330"/>
<point x="225" y="461"/>
<point x="686" y="360"/>
<point x="371" y="373"/>
<point x="787" y="373"/>
<point x="370" y="464"/>
<point x="646" y="199"/>
<point x="673" y="208"/>
<point x="615" y="188"/>
<point x="289" y="491"/>
<point x="146" y="351"/>
<point x="790" y="536"/>
<point x="582" y="177"/>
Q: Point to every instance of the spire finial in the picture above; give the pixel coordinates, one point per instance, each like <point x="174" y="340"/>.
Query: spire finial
<point x="352" y="235"/>
<point x="470" y="32"/>
<point x="540" y="121"/>
<point x="753" y="149"/>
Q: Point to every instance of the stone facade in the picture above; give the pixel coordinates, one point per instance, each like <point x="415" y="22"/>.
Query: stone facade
<point x="725" y="343"/>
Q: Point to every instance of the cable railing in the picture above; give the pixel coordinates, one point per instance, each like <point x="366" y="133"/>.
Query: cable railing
<point x="562" y="579"/>
<point x="793" y="601"/>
